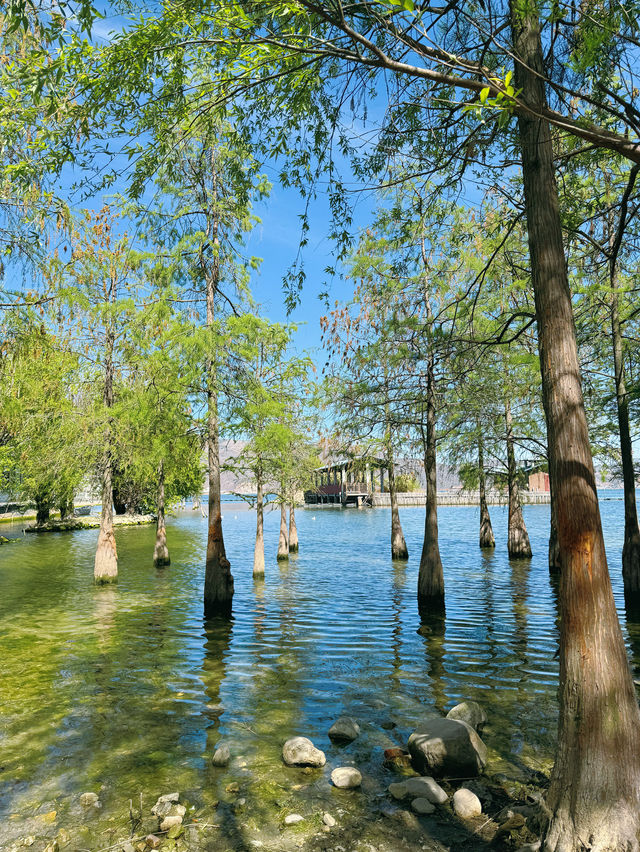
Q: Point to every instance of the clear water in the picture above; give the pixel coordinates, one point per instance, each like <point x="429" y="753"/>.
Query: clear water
<point x="126" y="692"/>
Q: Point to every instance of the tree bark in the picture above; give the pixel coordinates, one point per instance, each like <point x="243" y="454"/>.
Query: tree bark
<point x="487" y="538"/>
<point x="258" y="552"/>
<point x="594" y="796"/>
<point x="161" y="551"/>
<point x="43" y="510"/>
<point x="283" y="541"/>
<point x="293" y="530"/>
<point x="430" y="574"/>
<point x="105" y="568"/>
<point x="554" y="546"/>
<point x="631" y="546"/>
<point x="518" y="545"/>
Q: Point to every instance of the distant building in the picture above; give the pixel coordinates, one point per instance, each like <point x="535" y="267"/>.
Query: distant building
<point x="539" y="481"/>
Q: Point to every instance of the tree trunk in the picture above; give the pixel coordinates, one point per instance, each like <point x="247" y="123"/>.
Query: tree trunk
<point x="631" y="547"/>
<point x="66" y="508"/>
<point x="105" y="569"/>
<point x="293" y="530"/>
<point x="218" y="580"/>
<point x="594" y="796"/>
<point x="43" y="510"/>
<point x="119" y="500"/>
<point x="430" y="574"/>
<point x="487" y="538"/>
<point x="161" y="551"/>
<point x="398" y="544"/>
<point x="283" y="541"/>
<point x="554" y="546"/>
<point x="518" y="538"/>
<point x="258" y="553"/>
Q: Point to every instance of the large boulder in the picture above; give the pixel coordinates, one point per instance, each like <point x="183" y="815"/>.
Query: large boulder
<point x="470" y="712"/>
<point x="300" y="751"/>
<point x="447" y="747"/>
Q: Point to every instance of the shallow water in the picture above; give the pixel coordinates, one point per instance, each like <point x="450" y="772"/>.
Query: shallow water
<point x="124" y="691"/>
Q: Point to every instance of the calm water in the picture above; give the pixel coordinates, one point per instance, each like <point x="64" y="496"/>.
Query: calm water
<point x="124" y="691"/>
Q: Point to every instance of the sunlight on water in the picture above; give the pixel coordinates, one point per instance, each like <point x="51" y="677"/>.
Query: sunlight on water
<point x="124" y="691"/>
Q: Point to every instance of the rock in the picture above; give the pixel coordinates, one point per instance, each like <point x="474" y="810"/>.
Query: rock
<point x="152" y="841"/>
<point x="408" y="819"/>
<point x="293" y="819"/>
<point x="470" y="712"/>
<point x="345" y="730"/>
<point x="346" y="777"/>
<point x="398" y="790"/>
<point x="299" y="751"/>
<point x="178" y="810"/>
<point x="169" y="797"/>
<point x="52" y="847"/>
<point x="175" y="831"/>
<point x="426" y="788"/>
<point x="162" y="809"/>
<point x="128" y="847"/>
<point x="447" y="747"/>
<point x="28" y="841"/>
<point x="388" y="725"/>
<point x="327" y="819"/>
<point x="169" y="821"/>
<point x="221" y="756"/>
<point x="422" y="806"/>
<point x="89" y="800"/>
<point x="466" y="804"/>
<point x="64" y="838"/>
<point x="234" y="787"/>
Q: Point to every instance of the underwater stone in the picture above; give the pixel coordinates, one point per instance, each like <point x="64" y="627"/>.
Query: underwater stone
<point x="169" y="821"/>
<point x="346" y="777"/>
<point x="292" y="819"/>
<point x="89" y="800"/>
<point x="221" y="756"/>
<point x="470" y="712"/>
<point x="300" y="751"/>
<point x="327" y="819"/>
<point x="345" y="729"/>
<point x="422" y="806"/>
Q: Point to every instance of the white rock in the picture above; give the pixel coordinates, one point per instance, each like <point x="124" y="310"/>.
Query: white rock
<point x="300" y="751"/>
<point x="346" y="777"/>
<point x="89" y="799"/>
<point x="178" y="810"/>
<point x="327" y="819"/>
<point x="169" y="797"/>
<point x="422" y="806"/>
<point x="345" y="729"/>
<point x="169" y="821"/>
<point x="466" y="804"/>
<point x="426" y="788"/>
<point x="292" y="819"/>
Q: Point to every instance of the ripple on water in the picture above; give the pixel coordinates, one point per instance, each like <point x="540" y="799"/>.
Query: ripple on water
<point x="127" y="688"/>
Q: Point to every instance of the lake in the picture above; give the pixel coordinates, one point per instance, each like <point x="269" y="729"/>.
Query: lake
<point x="124" y="691"/>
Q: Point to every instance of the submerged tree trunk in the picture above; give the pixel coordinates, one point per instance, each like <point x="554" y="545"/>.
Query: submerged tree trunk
<point x="283" y="540"/>
<point x="258" y="552"/>
<point x="486" y="530"/>
<point x="105" y="568"/>
<point x="430" y="574"/>
<point x="594" y="796"/>
<point x="631" y="546"/>
<point x="518" y="544"/>
<point x="218" y="580"/>
<point x="398" y="544"/>
<point x="293" y="530"/>
<point x="161" y="551"/>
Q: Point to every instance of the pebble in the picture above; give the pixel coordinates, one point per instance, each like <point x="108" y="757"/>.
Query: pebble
<point x="466" y="804"/>
<point x="346" y="777"/>
<point x="152" y="841"/>
<point x="175" y="831"/>
<point x="423" y="806"/>
<point x="169" y="797"/>
<point x="292" y="819"/>
<point x="327" y="819"/>
<point x="128" y="847"/>
<point x="29" y="841"/>
<point x="90" y="800"/>
<point x="221" y="756"/>
<point x="52" y="847"/>
<point x="398" y="790"/>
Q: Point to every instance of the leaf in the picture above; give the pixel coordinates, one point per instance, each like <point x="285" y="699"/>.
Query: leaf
<point x="484" y="94"/>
